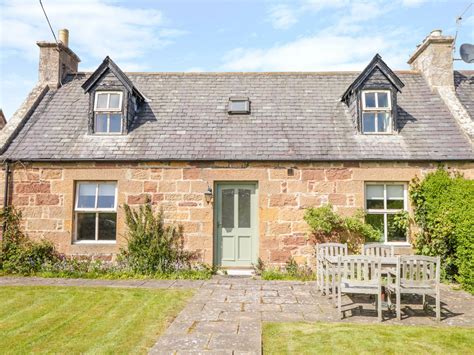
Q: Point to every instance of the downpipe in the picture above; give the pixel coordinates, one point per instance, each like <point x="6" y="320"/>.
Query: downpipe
<point x="6" y="192"/>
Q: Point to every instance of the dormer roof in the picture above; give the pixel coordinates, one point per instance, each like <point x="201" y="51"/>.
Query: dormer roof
<point x="375" y="63"/>
<point x="109" y="65"/>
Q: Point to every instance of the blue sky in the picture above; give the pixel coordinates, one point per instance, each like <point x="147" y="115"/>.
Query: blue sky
<point x="225" y="35"/>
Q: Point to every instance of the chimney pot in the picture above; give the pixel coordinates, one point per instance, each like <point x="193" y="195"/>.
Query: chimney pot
<point x="64" y="37"/>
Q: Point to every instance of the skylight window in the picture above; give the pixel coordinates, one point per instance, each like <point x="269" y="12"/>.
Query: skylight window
<point x="239" y="105"/>
<point x="376" y="112"/>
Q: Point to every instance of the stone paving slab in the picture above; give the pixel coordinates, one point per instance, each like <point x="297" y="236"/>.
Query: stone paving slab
<point x="247" y="303"/>
<point x="225" y="315"/>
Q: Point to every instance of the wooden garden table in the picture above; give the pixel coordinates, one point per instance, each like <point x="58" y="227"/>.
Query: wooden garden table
<point x="388" y="264"/>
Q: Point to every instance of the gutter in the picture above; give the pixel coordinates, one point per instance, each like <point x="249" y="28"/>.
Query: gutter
<point x="289" y="160"/>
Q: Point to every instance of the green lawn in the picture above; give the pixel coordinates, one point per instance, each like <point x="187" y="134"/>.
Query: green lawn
<point x="85" y="320"/>
<point x="337" y="338"/>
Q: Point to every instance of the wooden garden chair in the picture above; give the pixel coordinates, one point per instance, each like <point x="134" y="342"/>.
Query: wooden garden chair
<point x="377" y="249"/>
<point x="360" y="274"/>
<point x="325" y="270"/>
<point x="416" y="274"/>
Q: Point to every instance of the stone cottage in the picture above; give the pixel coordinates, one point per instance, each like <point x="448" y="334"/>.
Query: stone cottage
<point x="236" y="158"/>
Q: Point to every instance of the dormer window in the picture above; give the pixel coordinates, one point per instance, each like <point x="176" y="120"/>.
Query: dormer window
<point x="376" y="111"/>
<point x="372" y="99"/>
<point x="116" y="100"/>
<point x="108" y="112"/>
<point x="239" y="105"/>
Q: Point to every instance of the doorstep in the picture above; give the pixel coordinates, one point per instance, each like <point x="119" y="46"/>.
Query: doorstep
<point x="239" y="271"/>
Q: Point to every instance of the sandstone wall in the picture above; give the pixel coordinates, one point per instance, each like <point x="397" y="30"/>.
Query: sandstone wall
<point x="45" y="194"/>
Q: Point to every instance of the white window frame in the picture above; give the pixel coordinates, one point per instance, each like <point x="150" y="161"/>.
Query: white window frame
<point x="385" y="211"/>
<point x="95" y="210"/>
<point x="107" y="113"/>
<point x="239" y="99"/>
<point x="108" y="109"/>
<point x="375" y="110"/>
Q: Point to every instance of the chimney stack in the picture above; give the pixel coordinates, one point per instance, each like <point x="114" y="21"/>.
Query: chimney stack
<point x="56" y="60"/>
<point x="434" y="59"/>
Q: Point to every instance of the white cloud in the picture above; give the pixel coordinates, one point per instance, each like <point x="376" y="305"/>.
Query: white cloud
<point x="318" y="5"/>
<point x="358" y="13"/>
<point x="347" y="43"/>
<point x="413" y="3"/>
<point x="468" y="21"/>
<point x="172" y="33"/>
<point x="319" y="52"/>
<point x="282" y="16"/>
<point x="97" y="28"/>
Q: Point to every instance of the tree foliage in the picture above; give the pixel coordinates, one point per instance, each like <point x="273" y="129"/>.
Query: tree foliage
<point x="444" y="212"/>
<point x="327" y="226"/>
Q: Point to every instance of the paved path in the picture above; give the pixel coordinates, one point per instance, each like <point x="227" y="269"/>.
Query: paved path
<point x="225" y="315"/>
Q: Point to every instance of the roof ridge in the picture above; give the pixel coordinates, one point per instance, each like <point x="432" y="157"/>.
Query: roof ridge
<point x="349" y="72"/>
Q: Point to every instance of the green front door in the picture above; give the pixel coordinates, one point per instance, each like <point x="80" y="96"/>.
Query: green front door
<point x="236" y="224"/>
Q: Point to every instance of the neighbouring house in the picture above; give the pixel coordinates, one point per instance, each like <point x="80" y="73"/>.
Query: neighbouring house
<point x="233" y="157"/>
<point x="3" y="120"/>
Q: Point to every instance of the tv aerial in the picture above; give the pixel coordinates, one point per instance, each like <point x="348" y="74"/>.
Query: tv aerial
<point x="467" y="49"/>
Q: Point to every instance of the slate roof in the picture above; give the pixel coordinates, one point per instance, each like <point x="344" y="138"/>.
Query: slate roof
<point x="464" y="84"/>
<point x="294" y="116"/>
<point x="3" y="120"/>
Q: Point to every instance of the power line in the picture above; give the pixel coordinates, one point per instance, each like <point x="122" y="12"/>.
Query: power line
<point x="49" y="23"/>
<point x="467" y="8"/>
<point x="458" y="24"/>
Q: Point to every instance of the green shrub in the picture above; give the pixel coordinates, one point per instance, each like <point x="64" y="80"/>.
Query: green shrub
<point x="292" y="267"/>
<point x="19" y="254"/>
<point x="277" y="274"/>
<point x="98" y="269"/>
<point x="444" y="212"/>
<point x="153" y="247"/>
<point x="259" y="267"/>
<point x="291" y="271"/>
<point x="327" y="226"/>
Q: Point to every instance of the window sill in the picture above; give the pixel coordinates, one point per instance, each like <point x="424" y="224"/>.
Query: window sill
<point x="398" y="244"/>
<point x="377" y="133"/>
<point x="94" y="242"/>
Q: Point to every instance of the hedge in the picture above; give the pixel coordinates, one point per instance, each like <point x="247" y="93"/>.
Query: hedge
<point x="443" y="205"/>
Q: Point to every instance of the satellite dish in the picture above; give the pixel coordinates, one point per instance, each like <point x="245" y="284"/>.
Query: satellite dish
<point x="467" y="52"/>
